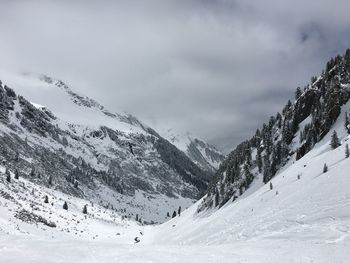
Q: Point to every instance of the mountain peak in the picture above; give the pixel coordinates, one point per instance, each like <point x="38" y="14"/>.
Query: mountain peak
<point x="201" y="152"/>
<point x="73" y="144"/>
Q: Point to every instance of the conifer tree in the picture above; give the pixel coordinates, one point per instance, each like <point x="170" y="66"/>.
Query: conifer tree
<point x="335" y="140"/>
<point x="241" y="190"/>
<point x="298" y="93"/>
<point x="85" y="209"/>
<point x="16" y="174"/>
<point x="8" y="178"/>
<point x="131" y="149"/>
<point x="179" y="211"/>
<point x="65" y="206"/>
<point x="174" y="214"/>
<point x="347" y="153"/>
<point x="259" y="160"/>
<point x="248" y="175"/>
<point x="217" y="198"/>
<point x="64" y="141"/>
<point x="267" y="169"/>
<point x="346" y="121"/>
<point x="271" y="186"/>
<point x="167" y="214"/>
<point x="313" y="79"/>
<point x="50" y="180"/>
<point x="325" y="168"/>
<point x="46" y="199"/>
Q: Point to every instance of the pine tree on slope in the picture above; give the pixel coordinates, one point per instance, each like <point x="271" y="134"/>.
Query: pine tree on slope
<point x="259" y="160"/>
<point x="85" y="209"/>
<point x="335" y="140"/>
<point x="16" y="174"/>
<point x="298" y="93"/>
<point x="346" y="121"/>
<point x="8" y="178"/>
<point x="325" y="168"/>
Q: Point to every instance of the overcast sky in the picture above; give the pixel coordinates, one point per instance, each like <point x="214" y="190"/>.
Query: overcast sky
<point x="218" y="69"/>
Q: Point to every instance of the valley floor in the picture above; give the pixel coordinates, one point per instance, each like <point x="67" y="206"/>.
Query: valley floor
<point x="18" y="249"/>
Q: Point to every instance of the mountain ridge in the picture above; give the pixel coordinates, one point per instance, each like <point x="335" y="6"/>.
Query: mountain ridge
<point x="290" y="134"/>
<point x="86" y="147"/>
<point x="202" y="153"/>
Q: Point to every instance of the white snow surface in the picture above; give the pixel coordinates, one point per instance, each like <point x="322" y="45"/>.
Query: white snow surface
<point x="306" y="220"/>
<point x="58" y="99"/>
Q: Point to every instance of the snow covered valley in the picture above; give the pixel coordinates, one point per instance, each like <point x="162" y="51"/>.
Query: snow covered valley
<point x="84" y="184"/>
<point x="174" y="131"/>
<point x="304" y="218"/>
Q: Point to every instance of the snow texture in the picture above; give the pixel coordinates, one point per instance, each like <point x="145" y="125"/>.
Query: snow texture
<point x="300" y="220"/>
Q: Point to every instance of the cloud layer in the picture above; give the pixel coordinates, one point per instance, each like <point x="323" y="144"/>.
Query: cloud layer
<point x="215" y="68"/>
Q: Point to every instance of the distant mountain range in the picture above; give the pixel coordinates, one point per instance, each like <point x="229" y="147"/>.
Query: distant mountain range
<point x="203" y="154"/>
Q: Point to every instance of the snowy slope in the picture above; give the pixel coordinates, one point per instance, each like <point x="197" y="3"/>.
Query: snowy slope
<point x="305" y="220"/>
<point x="73" y="144"/>
<point x="287" y="135"/>
<point x="68" y="106"/>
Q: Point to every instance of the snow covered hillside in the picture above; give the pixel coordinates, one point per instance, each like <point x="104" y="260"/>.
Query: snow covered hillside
<point x="71" y="143"/>
<point x="70" y="107"/>
<point x="200" y="152"/>
<point x="25" y="212"/>
<point x="288" y="135"/>
<point x="305" y="217"/>
<point x="87" y="193"/>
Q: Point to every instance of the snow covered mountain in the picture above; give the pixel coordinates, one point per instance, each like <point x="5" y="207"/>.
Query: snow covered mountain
<point x="73" y="144"/>
<point x="305" y="217"/>
<point x="203" y="154"/>
<point x="277" y="197"/>
<point x="288" y="135"/>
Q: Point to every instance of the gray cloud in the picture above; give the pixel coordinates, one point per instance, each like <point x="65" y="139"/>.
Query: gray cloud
<point x="216" y="68"/>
